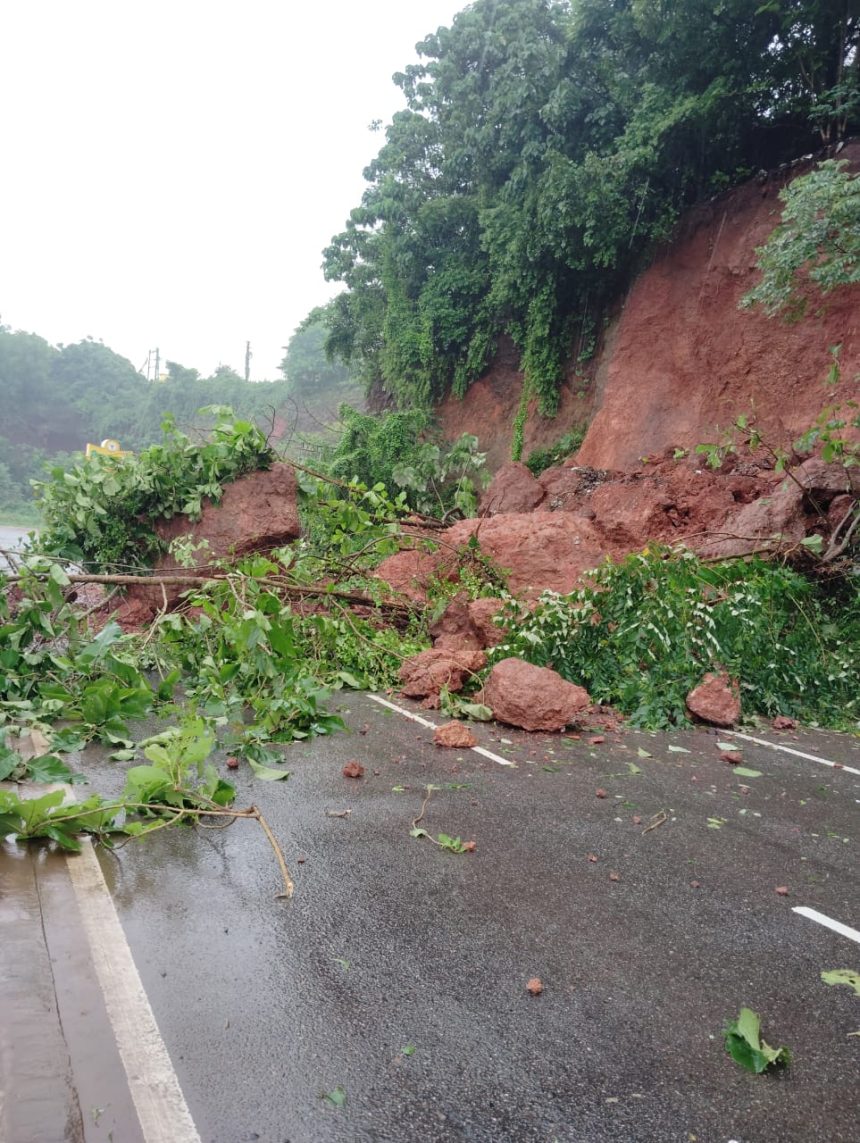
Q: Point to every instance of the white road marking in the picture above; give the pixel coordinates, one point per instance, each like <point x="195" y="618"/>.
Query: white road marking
<point x="790" y="750"/>
<point x="828" y="922"/>
<point x="432" y="726"/>
<point x="161" y="1108"/>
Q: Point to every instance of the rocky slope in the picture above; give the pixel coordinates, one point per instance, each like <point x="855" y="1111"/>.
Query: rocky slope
<point x="681" y="361"/>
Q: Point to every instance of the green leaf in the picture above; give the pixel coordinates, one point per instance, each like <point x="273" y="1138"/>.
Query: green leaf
<point x="336" y="1097"/>
<point x="476" y="711"/>
<point x="408" y="1050"/>
<point x="745" y="1046"/>
<point x="728" y="746"/>
<point x="642" y="753"/>
<point x="268" y="773"/>
<point x="50" y="768"/>
<point x="744" y="772"/>
<point x="677" y="750"/>
<point x="351" y="680"/>
<point x="843" y="976"/>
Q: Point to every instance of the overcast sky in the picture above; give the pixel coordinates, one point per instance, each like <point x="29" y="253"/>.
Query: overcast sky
<point x="172" y="170"/>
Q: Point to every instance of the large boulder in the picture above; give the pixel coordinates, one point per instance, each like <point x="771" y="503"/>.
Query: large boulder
<point x="256" y="513"/>
<point x="482" y="613"/>
<point x="715" y="700"/>
<point x="769" y="525"/>
<point x="425" y="674"/>
<point x="540" y="551"/>
<point x="467" y="625"/>
<point x="534" y="698"/>
<point x="513" y="489"/>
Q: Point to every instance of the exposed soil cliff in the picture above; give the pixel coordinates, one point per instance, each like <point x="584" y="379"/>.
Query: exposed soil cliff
<point x="681" y="361"/>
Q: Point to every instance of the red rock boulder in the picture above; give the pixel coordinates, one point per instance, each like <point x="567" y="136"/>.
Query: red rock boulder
<point x="482" y="613"/>
<point x="540" y="550"/>
<point x="715" y="700"/>
<point x="769" y="524"/>
<point x="513" y="489"/>
<point x="467" y="625"/>
<point x="534" y="698"/>
<point x="256" y="513"/>
<point x="427" y="673"/>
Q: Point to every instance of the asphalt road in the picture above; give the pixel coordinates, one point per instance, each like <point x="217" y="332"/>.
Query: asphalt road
<point x="397" y="972"/>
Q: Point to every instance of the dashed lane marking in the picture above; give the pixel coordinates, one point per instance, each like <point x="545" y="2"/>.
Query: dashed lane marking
<point x="828" y="922"/>
<point x="791" y="750"/>
<point x="432" y="726"/>
<point x="161" y="1109"/>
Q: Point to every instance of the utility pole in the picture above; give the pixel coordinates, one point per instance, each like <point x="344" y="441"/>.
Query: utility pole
<point x="248" y="356"/>
<point x="157" y="365"/>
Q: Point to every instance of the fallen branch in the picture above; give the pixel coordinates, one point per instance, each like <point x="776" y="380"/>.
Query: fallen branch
<point x="291" y="590"/>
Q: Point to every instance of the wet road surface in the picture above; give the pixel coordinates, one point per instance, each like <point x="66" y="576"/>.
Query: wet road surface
<point x="397" y="972"/>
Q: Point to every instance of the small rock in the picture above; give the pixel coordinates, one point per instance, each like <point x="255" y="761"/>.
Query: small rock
<point x="613" y="876"/>
<point x="454" y="734"/>
<point x="596" y="740"/>
<point x="592" y="857"/>
<point x="232" y="763"/>
<point x="782" y="890"/>
<point x="783" y="722"/>
<point x="636" y="819"/>
<point x="534" y="986"/>
<point x="695" y="885"/>
<point x="353" y="770"/>
<point x="600" y="793"/>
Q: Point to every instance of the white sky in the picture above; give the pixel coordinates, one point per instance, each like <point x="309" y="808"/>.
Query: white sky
<point x="172" y="170"/>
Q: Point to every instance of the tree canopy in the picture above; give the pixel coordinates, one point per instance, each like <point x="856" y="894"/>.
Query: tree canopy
<point x="545" y="147"/>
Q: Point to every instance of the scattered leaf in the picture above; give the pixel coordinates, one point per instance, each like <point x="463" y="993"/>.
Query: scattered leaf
<point x="843" y="976"/>
<point x="643" y="753"/>
<point x="677" y="749"/>
<point x="268" y="773"/>
<point x="353" y="770"/>
<point x="633" y="768"/>
<point x="733" y="757"/>
<point x="344" y="964"/>
<point x="745" y="1046"/>
<point x="597" y="740"/>
<point x="743" y="772"/>
<point x="408" y="1050"/>
<point x="732" y="746"/>
<point x="717" y="823"/>
<point x="336" y="1097"/>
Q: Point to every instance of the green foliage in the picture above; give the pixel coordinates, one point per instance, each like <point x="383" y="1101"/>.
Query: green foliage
<point x="179" y="773"/>
<point x="647" y="629"/>
<point x="817" y="241"/>
<point x="519" y="426"/>
<point x="544" y="149"/>
<point x="746" y="1047"/>
<point x="393" y="450"/>
<point x="540" y="459"/>
<point x="99" y="513"/>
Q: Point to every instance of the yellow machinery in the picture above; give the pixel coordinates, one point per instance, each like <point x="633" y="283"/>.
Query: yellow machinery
<point x="107" y="448"/>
